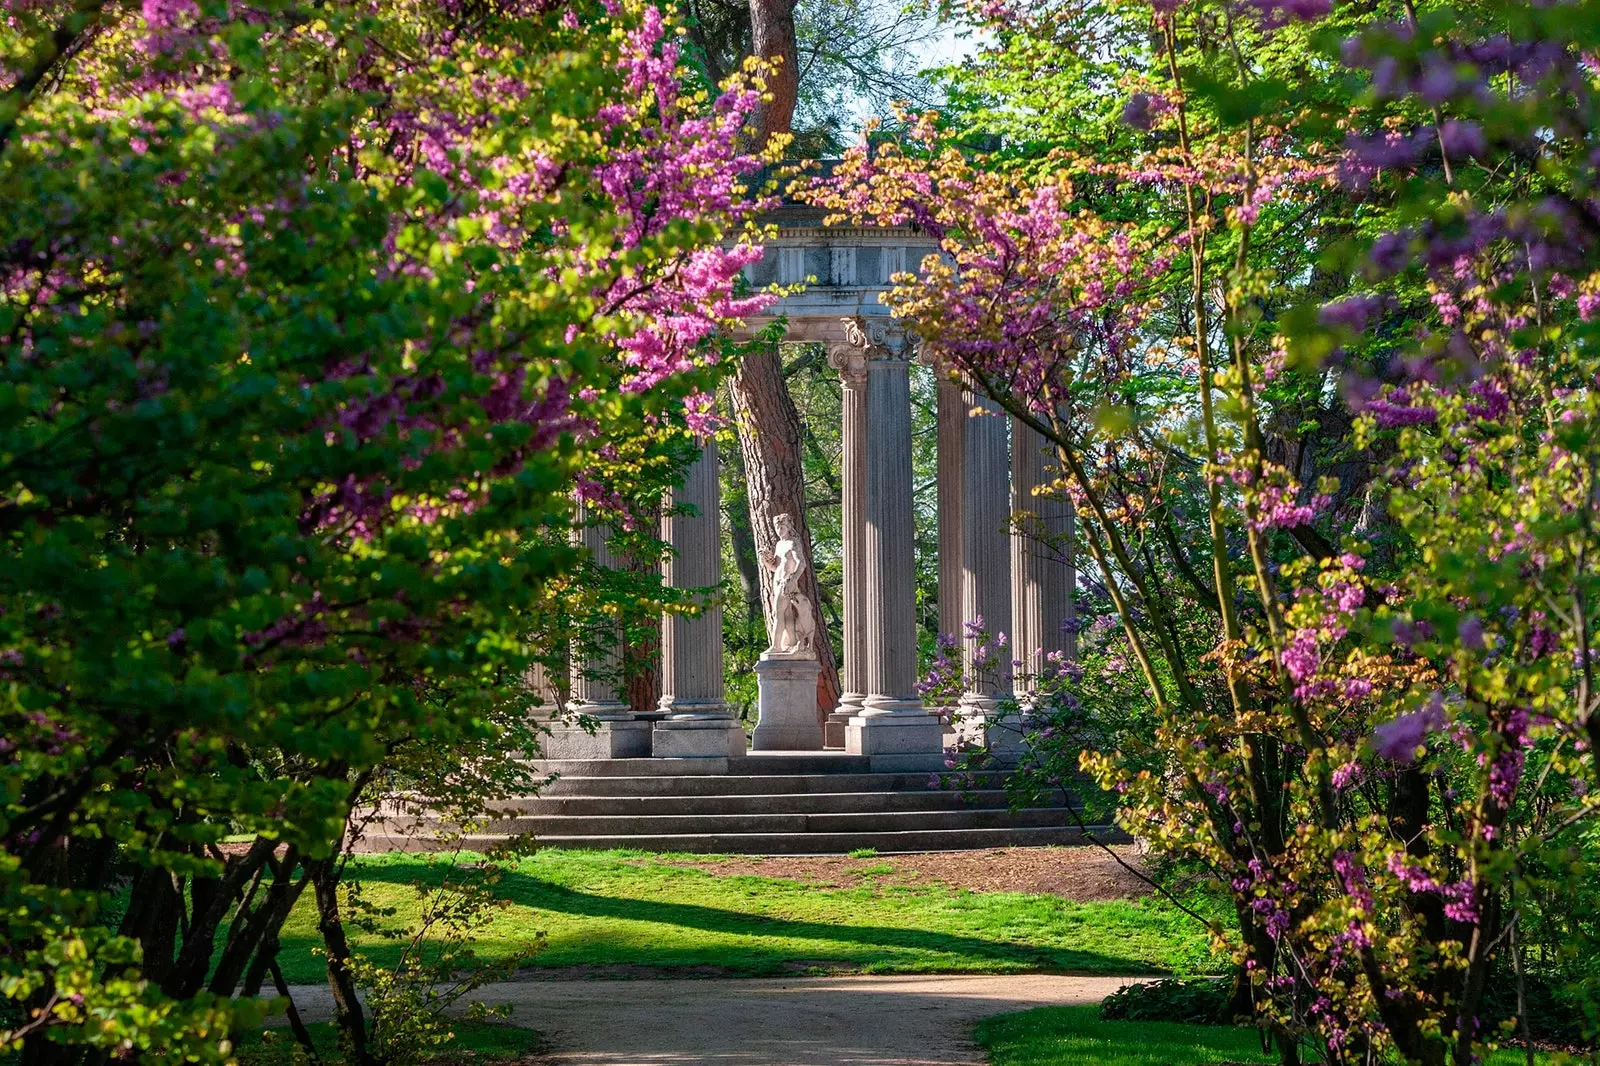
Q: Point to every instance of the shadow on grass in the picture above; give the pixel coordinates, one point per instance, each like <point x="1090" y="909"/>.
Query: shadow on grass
<point x="530" y="891"/>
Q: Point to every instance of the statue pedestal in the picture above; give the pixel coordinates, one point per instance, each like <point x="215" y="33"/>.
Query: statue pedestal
<point x="787" y="704"/>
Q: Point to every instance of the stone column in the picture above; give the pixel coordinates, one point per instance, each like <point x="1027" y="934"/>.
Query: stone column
<point x="595" y="674"/>
<point x="698" y="723"/>
<point x="1045" y="570"/>
<point x="986" y="555"/>
<point x="893" y="728"/>
<point x="596" y="667"/>
<point x="952" y="420"/>
<point x="851" y="363"/>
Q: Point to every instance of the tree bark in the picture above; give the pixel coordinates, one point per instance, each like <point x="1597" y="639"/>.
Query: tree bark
<point x="769" y="424"/>
<point x="770" y="441"/>
<point x="348" y="1015"/>
<point x="746" y="560"/>
<point x="772" y="37"/>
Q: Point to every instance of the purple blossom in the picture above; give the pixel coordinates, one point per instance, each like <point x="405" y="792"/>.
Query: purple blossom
<point x="1346" y="775"/>
<point x="1352" y="314"/>
<point x="1462" y="139"/>
<point x="1136" y="112"/>
<point x="1399" y="739"/>
<point x="1300" y="658"/>
<point x="1391" y="252"/>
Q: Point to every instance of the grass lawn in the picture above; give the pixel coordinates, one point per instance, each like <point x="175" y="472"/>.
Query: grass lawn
<point x="1076" y="1036"/>
<point x="631" y="909"/>
<point x="474" y="1042"/>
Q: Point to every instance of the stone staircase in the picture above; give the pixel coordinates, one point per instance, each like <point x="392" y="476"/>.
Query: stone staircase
<point x="799" y="803"/>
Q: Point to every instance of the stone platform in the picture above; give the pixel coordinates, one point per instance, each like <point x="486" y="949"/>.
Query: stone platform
<point x="771" y="803"/>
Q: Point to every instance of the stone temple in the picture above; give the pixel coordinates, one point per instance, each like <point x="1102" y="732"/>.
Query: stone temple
<point x="876" y="773"/>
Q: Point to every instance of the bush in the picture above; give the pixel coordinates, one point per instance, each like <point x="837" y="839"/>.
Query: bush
<point x="1193" y="1000"/>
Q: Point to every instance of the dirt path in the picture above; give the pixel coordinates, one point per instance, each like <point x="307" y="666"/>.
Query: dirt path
<point x="809" y="1021"/>
<point x="1077" y="873"/>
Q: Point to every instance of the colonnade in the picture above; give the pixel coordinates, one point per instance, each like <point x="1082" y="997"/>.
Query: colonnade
<point x="995" y="564"/>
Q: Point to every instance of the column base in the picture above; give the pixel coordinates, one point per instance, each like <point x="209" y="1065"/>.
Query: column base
<point x="697" y="737"/>
<point x="897" y="742"/>
<point x="850" y="705"/>
<point x="613" y="738"/>
<point x="1001" y="734"/>
<point x="787" y="705"/>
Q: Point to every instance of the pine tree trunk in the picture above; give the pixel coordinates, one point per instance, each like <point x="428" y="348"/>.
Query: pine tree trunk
<point x="769" y="425"/>
<point x="772" y="37"/>
<point x="769" y="439"/>
<point x="746" y="561"/>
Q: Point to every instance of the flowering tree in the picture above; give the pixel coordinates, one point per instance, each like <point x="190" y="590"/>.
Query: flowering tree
<point x="310" y="321"/>
<point x="1343" y="542"/>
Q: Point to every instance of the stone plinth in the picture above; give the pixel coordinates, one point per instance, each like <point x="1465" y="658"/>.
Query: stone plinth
<point x="1000" y="733"/>
<point x="611" y="739"/>
<point x="710" y="737"/>
<point x="897" y="743"/>
<point x="788" y="705"/>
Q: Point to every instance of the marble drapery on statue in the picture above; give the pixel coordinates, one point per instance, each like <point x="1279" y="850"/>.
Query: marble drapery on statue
<point x="793" y="630"/>
<point x="786" y="675"/>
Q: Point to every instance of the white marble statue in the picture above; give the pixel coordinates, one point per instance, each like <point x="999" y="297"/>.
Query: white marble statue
<point x="793" y="628"/>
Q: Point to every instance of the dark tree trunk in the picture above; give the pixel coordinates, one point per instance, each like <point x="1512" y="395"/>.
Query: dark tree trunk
<point x="746" y="562"/>
<point x="769" y="425"/>
<point x="772" y="37"/>
<point x="348" y="1014"/>
<point x="770" y="440"/>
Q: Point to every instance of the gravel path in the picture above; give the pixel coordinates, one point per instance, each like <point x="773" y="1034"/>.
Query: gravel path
<point x="806" y="1021"/>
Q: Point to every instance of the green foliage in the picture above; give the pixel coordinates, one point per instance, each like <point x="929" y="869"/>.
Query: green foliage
<point x="437" y="966"/>
<point x="310" y="325"/>
<point x="1196" y="1001"/>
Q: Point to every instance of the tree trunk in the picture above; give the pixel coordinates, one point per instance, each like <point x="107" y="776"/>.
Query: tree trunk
<point x="769" y="438"/>
<point x="769" y="425"/>
<point x="348" y="1016"/>
<point x="746" y="560"/>
<point x="772" y="38"/>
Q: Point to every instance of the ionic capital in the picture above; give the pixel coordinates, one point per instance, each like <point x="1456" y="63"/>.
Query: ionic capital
<point x="850" y="361"/>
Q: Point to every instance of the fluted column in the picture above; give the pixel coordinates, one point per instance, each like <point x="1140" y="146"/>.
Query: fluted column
<point x="986" y="551"/>
<point x="851" y="363"/>
<point x="699" y="724"/>
<point x="952" y="423"/>
<point x="691" y="646"/>
<point x="597" y="664"/>
<point x="892" y="638"/>
<point x="1045" y="570"/>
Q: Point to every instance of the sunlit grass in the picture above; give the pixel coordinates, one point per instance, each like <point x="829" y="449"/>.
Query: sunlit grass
<point x="1077" y="1036"/>
<point x="627" y="909"/>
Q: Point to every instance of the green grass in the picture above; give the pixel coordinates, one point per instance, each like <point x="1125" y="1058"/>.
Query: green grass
<point x="629" y="909"/>
<point x="1076" y="1036"/>
<point x="474" y="1041"/>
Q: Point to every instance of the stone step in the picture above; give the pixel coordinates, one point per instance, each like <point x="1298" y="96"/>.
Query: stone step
<point x="653" y="825"/>
<point x="760" y="803"/>
<point x="799" y="762"/>
<point x="759" y="784"/>
<point x="783" y="843"/>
